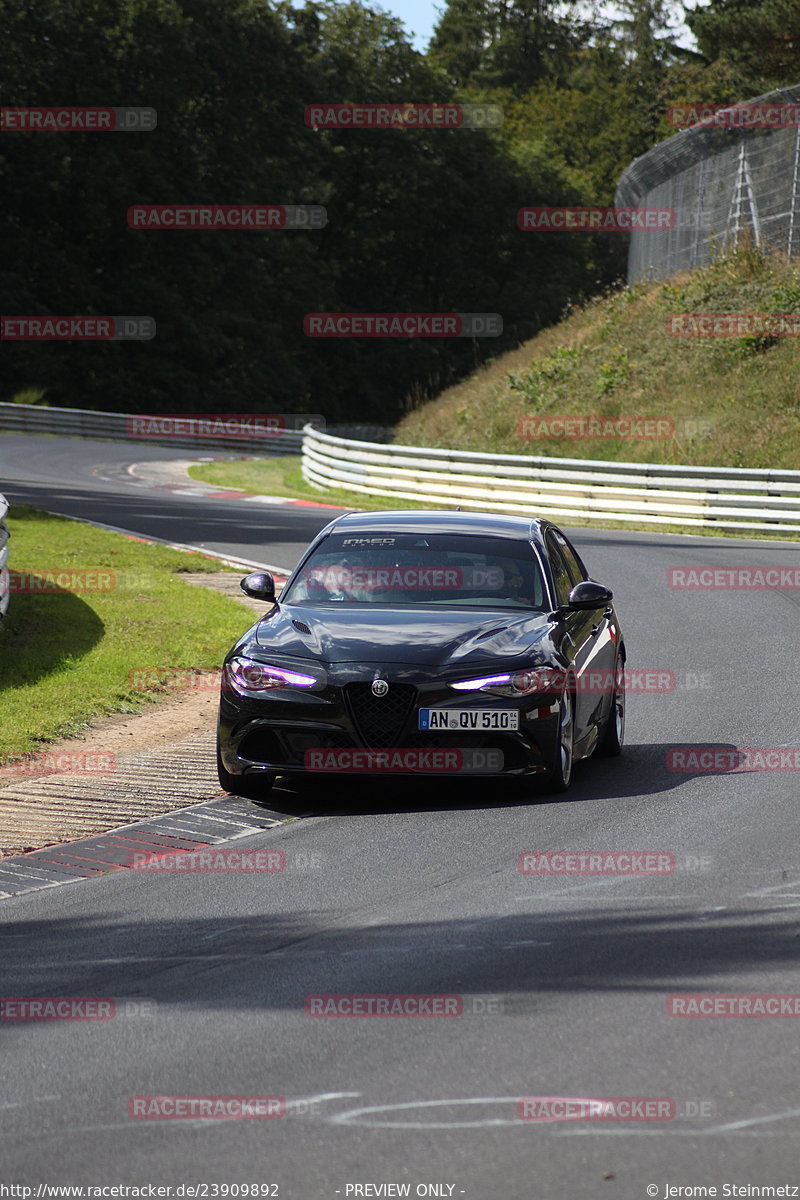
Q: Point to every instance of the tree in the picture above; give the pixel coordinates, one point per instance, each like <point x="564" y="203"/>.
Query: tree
<point x="760" y="38"/>
<point x="418" y="220"/>
<point x="507" y="43"/>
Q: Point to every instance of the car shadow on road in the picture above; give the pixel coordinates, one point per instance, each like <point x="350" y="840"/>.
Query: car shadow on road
<point x="641" y="771"/>
<point x="260" y="962"/>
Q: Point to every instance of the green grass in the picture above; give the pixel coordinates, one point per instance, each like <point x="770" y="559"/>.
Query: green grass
<point x="614" y="358"/>
<point x="30" y="395"/>
<point x="66" y="656"/>
<point x="283" y="477"/>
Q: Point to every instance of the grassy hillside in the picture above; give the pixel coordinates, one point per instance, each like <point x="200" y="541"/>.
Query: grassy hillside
<point x="721" y="401"/>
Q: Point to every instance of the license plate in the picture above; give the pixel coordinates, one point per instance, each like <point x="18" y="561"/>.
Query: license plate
<point x="478" y="719"/>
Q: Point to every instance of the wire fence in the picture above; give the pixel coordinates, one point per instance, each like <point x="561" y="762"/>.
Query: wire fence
<point x="724" y="181"/>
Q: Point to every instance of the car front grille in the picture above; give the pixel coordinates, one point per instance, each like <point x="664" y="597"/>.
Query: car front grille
<point x="380" y="720"/>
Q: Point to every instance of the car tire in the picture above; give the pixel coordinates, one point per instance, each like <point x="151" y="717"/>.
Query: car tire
<point x="250" y="787"/>
<point x="613" y="736"/>
<point x="560" y="776"/>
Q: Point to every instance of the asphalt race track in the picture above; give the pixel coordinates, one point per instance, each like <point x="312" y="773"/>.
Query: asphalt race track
<point x="87" y="479"/>
<point x="563" y="981"/>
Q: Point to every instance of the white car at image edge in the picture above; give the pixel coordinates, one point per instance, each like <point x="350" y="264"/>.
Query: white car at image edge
<point x="4" y="535"/>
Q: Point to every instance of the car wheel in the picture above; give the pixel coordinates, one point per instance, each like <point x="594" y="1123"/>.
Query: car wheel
<point x="251" y="787"/>
<point x="561" y="774"/>
<point x="610" y="744"/>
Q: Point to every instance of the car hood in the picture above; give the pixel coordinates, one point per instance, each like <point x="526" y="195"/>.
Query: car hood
<point x="430" y="637"/>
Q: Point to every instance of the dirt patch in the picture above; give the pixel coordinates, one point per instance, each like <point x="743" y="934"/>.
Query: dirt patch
<point x="166" y="723"/>
<point x="172" y="718"/>
<point x="228" y="582"/>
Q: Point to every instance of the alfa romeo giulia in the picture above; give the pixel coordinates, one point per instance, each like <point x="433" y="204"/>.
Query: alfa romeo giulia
<point x="425" y="643"/>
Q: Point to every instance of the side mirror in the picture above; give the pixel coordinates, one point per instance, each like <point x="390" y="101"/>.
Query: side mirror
<point x="589" y="594"/>
<point x="260" y="585"/>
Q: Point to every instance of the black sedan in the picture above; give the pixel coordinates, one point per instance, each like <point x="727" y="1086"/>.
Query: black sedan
<point x="425" y="643"/>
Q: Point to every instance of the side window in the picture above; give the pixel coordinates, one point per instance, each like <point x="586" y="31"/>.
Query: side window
<point x="558" y="567"/>
<point x="576" y="569"/>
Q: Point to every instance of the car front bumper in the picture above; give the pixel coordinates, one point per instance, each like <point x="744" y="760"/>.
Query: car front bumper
<point x="297" y="732"/>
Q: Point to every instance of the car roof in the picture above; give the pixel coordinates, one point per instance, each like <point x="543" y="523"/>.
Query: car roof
<point x="442" y="521"/>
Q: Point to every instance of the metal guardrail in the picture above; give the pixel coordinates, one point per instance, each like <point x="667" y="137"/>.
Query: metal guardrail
<point x="712" y="497"/>
<point x="79" y="422"/>
<point x="563" y="488"/>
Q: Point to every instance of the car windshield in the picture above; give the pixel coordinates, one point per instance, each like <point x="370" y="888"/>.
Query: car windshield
<point x="415" y="568"/>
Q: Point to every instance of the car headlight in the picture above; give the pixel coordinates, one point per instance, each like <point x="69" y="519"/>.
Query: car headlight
<point x="250" y="676"/>
<point x="529" y="682"/>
